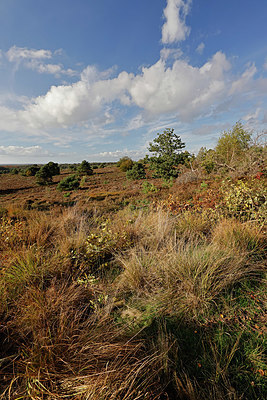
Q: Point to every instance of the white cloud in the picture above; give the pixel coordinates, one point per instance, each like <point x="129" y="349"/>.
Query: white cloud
<point x="252" y="116"/>
<point x="54" y="69"/>
<point x="9" y="119"/>
<point x="175" y="29"/>
<point x="117" y="154"/>
<point x="240" y="84"/>
<point x="200" y="48"/>
<point x="34" y="59"/>
<point x="178" y="91"/>
<point x="174" y="54"/>
<point x="22" y="151"/>
<point x="65" y="105"/>
<point x="19" y="53"/>
<point x="182" y="88"/>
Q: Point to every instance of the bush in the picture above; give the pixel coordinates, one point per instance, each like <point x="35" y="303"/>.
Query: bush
<point x="69" y="183"/>
<point x="137" y="172"/>
<point x="85" y="168"/>
<point x="245" y="200"/>
<point x="46" y="173"/>
<point x="125" y="164"/>
<point x="32" y="170"/>
<point x="149" y="188"/>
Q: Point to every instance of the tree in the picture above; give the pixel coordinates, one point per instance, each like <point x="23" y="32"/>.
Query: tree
<point x="53" y="168"/>
<point x="85" y="168"/>
<point x="166" y="150"/>
<point x="231" y="146"/>
<point x="205" y="159"/>
<point x="46" y="173"/>
<point x="125" y="164"/>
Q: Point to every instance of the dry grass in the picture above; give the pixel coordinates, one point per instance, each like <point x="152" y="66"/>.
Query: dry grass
<point x="172" y="323"/>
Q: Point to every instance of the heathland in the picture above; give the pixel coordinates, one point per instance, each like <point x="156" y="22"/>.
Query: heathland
<point x="136" y="285"/>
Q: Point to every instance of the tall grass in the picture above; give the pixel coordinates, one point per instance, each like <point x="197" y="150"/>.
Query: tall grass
<point x="181" y="318"/>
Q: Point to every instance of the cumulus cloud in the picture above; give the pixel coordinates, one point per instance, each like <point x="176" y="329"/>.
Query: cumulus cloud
<point x="200" y="48"/>
<point x="175" y="29"/>
<point x="70" y="104"/>
<point x="181" y="88"/>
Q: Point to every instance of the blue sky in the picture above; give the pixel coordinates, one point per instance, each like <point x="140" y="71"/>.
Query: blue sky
<point x="98" y="80"/>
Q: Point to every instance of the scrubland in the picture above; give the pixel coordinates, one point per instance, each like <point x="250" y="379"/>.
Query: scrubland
<point x="120" y="290"/>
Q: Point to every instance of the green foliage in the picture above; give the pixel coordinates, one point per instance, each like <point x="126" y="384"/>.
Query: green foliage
<point x="168" y="183"/>
<point x="205" y="159"/>
<point x="102" y="245"/>
<point x="53" y="168"/>
<point x="4" y="170"/>
<point x="231" y="146"/>
<point x="85" y="168"/>
<point x="32" y="170"/>
<point x="245" y="201"/>
<point x="73" y="167"/>
<point x="137" y="172"/>
<point x="83" y="181"/>
<point x="166" y="150"/>
<point x="43" y="176"/>
<point x="69" y="183"/>
<point x="148" y="187"/>
<point x="125" y="164"/>
<point x="46" y="173"/>
<point x="14" y="171"/>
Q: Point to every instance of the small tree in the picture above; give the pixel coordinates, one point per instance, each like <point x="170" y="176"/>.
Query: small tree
<point x="205" y="159"/>
<point x="137" y="172"/>
<point x="125" y="164"/>
<point x="231" y="147"/>
<point x="45" y="174"/>
<point x="85" y="168"/>
<point x="166" y="150"/>
<point x="32" y="170"/>
<point x="53" y="168"/>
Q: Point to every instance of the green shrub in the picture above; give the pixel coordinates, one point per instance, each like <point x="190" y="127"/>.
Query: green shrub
<point x="148" y="187"/>
<point x="137" y="172"/>
<point x="85" y="168"/>
<point x="245" y="200"/>
<point x="46" y="173"/>
<point x="125" y="164"/>
<point x="32" y="170"/>
<point x="69" y="183"/>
